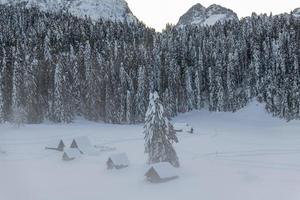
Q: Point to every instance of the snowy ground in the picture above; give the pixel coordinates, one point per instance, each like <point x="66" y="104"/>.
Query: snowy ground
<point x="243" y="156"/>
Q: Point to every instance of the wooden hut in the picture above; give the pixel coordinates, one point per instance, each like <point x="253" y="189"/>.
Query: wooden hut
<point x="57" y="145"/>
<point x="161" y="172"/>
<point x="117" y="161"/>
<point x="70" y="154"/>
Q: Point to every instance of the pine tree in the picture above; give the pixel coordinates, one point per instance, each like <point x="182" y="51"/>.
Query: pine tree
<point x="18" y="111"/>
<point x="1" y="96"/>
<point x="189" y="91"/>
<point x="58" y="94"/>
<point x="231" y="81"/>
<point x="140" y="99"/>
<point x="62" y="108"/>
<point x="76" y="86"/>
<point x="3" y="68"/>
<point x="198" y="94"/>
<point x="31" y="88"/>
<point x="159" y="134"/>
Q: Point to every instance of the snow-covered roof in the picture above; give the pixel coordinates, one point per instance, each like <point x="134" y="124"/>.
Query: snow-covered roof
<point x="72" y="153"/>
<point x="182" y="127"/>
<point x="119" y="159"/>
<point x="85" y="146"/>
<point x="164" y="170"/>
<point x="83" y="142"/>
<point x="181" y="124"/>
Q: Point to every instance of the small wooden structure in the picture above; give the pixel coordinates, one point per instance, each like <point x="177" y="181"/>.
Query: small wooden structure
<point x="161" y="172"/>
<point x="183" y="127"/>
<point x="57" y="145"/>
<point x="70" y="154"/>
<point x="117" y="161"/>
<point x="82" y="144"/>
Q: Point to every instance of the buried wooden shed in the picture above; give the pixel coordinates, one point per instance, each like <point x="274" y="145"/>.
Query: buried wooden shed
<point x="161" y="172"/>
<point x="117" y="161"/>
<point x="183" y="127"/>
<point x="57" y="145"/>
<point x="70" y="154"/>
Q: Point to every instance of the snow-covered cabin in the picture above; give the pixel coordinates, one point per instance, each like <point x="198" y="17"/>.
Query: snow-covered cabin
<point x="161" y="172"/>
<point x="70" y="154"/>
<point x="82" y="144"/>
<point x="183" y="127"/>
<point x="117" y="161"/>
<point x="57" y="145"/>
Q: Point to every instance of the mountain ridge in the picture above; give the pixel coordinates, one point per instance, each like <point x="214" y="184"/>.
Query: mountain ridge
<point x="296" y="12"/>
<point x="200" y="16"/>
<point x="112" y="10"/>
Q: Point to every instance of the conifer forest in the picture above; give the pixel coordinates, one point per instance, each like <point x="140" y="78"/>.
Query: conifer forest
<point x="55" y="67"/>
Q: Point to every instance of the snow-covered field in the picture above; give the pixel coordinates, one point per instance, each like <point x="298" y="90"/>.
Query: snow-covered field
<point x="247" y="155"/>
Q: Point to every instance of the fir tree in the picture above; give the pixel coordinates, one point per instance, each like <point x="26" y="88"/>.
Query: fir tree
<point x="159" y="134"/>
<point x="1" y="97"/>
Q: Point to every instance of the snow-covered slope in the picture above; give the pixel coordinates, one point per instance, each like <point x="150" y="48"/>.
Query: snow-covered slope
<point x="247" y="155"/>
<point x="114" y="10"/>
<point x="199" y="15"/>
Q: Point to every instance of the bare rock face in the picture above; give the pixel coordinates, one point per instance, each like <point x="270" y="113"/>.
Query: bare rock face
<point x="296" y="12"/>
<point x="198" y="15"/>
<point x="113" y="10"/>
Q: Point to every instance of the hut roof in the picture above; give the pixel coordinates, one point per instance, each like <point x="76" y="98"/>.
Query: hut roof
<point x="119" y="159"/>
<point x="163" y="170"/>
<point x="82" y="142"/>
<point x="72" y="153"/>
<point x="182" y="127"/>
<point x="181" y="124"/>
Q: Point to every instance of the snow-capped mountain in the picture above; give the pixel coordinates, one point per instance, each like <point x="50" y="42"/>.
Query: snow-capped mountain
<point x="114" y="10"/>
<point x="296" y="12"/>
<point x="199" y="15"/>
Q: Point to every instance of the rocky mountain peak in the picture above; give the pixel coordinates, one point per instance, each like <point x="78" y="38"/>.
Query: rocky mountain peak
<point x="296" y="12"/>
<point x="114" y="10"/>
<point x="199" y="15"/>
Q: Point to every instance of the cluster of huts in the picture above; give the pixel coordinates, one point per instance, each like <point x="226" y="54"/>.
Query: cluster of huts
<point x="79" y="146"/>
<point x="156" y="173"/>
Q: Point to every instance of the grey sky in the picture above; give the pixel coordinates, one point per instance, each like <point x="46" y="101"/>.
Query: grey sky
<point x="156" y="13"/>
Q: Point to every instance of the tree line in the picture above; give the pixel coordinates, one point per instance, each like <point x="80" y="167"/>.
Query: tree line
<point x="55" y="67"/>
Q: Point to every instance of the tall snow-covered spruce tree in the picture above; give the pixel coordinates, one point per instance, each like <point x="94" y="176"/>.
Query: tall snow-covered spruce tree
<point x="1" y="99"/>
<point x="159" y="134"/>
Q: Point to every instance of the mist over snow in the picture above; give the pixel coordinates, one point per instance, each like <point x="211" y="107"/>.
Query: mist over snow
<point x="246" y="155"/>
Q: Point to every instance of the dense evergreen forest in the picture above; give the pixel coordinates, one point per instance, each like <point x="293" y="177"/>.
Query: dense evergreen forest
<point x="55" y="67"/>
